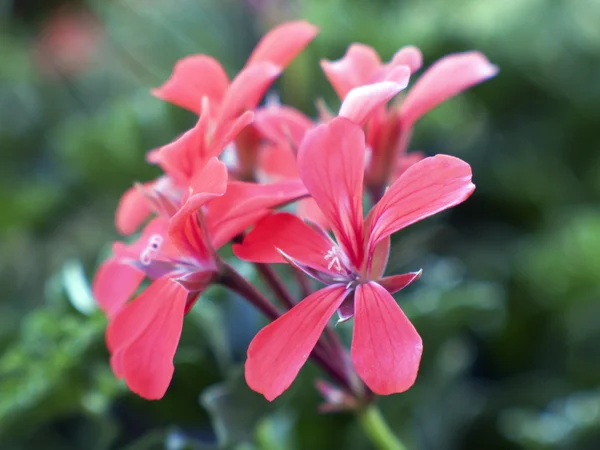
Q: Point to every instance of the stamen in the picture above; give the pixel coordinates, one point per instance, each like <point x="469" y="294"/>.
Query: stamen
<point x="151" y="249"/>
<point x="334" y="256"/>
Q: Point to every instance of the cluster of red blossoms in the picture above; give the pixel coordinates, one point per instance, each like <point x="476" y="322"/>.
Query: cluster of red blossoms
<point x="241" y="162"/>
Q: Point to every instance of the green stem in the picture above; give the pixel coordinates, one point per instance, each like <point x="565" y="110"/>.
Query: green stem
<point x="378" y="430"/>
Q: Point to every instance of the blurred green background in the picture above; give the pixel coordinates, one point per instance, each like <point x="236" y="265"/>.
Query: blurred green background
<point x="507" y="306"/>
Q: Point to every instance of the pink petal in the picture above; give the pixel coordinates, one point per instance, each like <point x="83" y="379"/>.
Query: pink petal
<point x="444" y="79"/>
<point x="288" y="233"/>
<point x="278" y="351"/>
<point x="194" y="77"/>
<point x="245" y="203"/>
<point x="180" y="158"/>
<point x="114" y="284"/>
<point x="358" y="67"/>
<point x="409" y="56"/>
<point x="144" y="335"/>
<point x="396" y="283"/>
<point x="386" y="348"/>
<point x="247" y="89"/>
<point x="283" y="43"/>
<point x="282" y="124"/>
<point x="424" y="189"/>
<point x="362" y="101"/>
<point x="277" y="162"/>
<point x="331" y="162"/>
<point x="133" y="210"/>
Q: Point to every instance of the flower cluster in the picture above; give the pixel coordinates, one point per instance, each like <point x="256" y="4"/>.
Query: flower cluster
<point x="224" y="180"/>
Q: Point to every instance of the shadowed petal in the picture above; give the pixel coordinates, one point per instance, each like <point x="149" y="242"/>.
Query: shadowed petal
<point x="283" y="43"/>
<point x="282" y="124"/>
<point x="444" y="79"/>
<point x="395" y="283"/>
<point x="424" y="189"/>
<point x="362" y="101"/>
<point x="144" y="337"/>
<point x="358" y="67"/>
<point x="288" y="233"/>
<point x="278" y="351"/>
<point x="185" y="232"/>
<point x="245" y="203"/>
<point x="331" y="163"/>
<point x="386" y="348"/>
<point x="194" y="77"/>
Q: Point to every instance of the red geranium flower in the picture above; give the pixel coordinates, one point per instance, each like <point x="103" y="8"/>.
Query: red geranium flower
<point x="388" y="131"/>
<point x="177" y="251"/>
<point x="386" y="348"/>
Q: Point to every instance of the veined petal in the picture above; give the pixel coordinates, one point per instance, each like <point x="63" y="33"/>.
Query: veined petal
<point x="424" y="189"/>
<point x="331" y="163"/>
<point x="386" y="348"/>
<point x="288" y="233"/>
<point x="282" y="124"/>
<point x="278" y="351"/>
<point x="194" y="77"/>
<point x="247" y="89"/>
<point x="245" y="203"/>
<point x="283" y="43"/>
<point x="362" y="101"/>
<point x="358" y="67"/>
<point x="395" y="283"/>
<point x="114" y="284"/>
<point x="133" y="210"/>
<point x="144" y="335"/>
<point x="444" y="79"/>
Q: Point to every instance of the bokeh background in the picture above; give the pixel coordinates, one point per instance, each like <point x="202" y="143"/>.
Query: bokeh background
<point x="508" y="305"/>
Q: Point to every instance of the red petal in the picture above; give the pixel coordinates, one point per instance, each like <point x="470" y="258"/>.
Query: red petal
<point x="282" y="124"/>
<point x="247" y="89"/>
<point x="132" y="210"/>
<point x="358" y="67"/>
<point x="283" y="43"/>
<point x="245" y="203"/>
<point x="362" y="101"/>
<point x="288" y="233"/>
<point x="396" y="283"/>
<point x="386" y="348"/>
<point x="331" y="162"/>
<point x="185" y="232"/>
<point x="424" y="189"/>
<point x="114" y="284"/>
<point x="194" y="77"/>
<point x="144" y="337"/>
<point x="444" y="79"/>
<point x="278" y="351"/>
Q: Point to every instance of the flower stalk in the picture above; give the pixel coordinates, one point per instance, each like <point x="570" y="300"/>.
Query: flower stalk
<point x="378" y="431"/>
